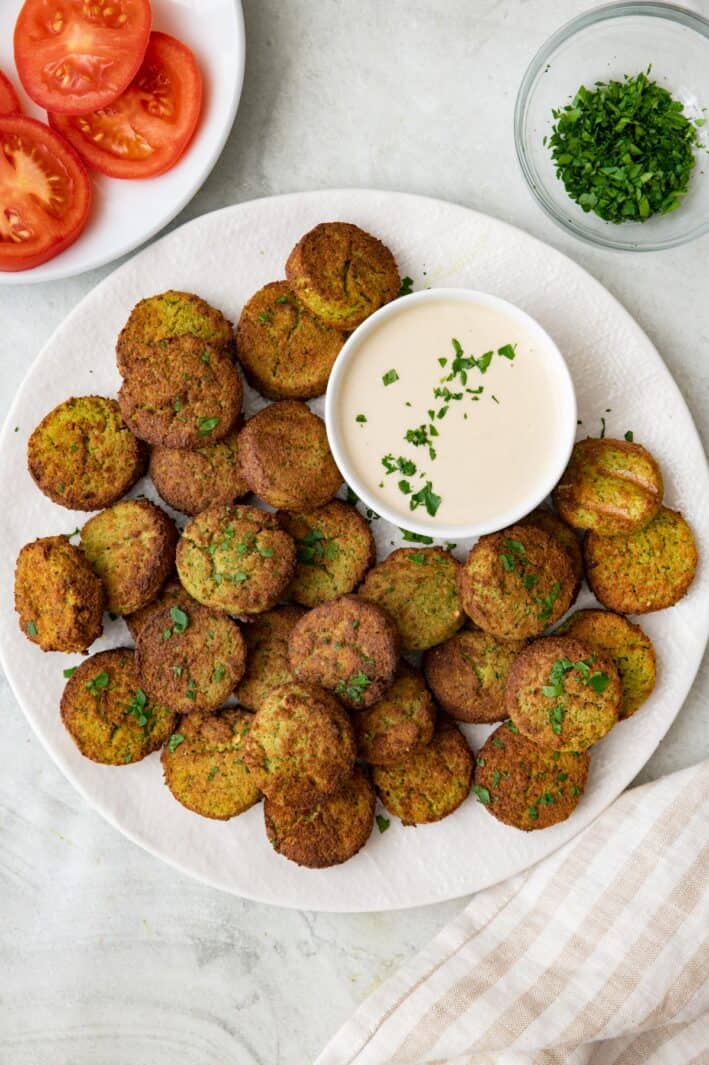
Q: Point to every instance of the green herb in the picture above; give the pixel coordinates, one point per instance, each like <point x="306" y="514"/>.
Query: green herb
<point x="382" y="822"/>
<point x="167" y="633"/>
<point x="137" y="705"/>
<point x="361" y="418"/>
<point x="599" y="682"/>
<point x="265" y="552"/>
<point x="390" y="377"/>
<point x="407" y="286"/>
<point x="281" y="299"/>
<point x="174" y="742"/>
<point x="70" y="671"/>
<point x="97" y="684"/>
<point x="533" y="813"/>
<point x="265" y="318"/>
<point x="60" y="487"/>
<point x="427" y="498"/>
<point x="354" y="687"/>
<point x="351" y="496"/>
<point x="603" y="428"/>
<point x="575" y="790"/>
<point x="629" y="436"/>
<point x="207" y="424"/>
<point x="494" y="397"/>
<point x="546" y="603"/>
<point x="177" y="670"/>
<point x="177" y="405"/>
<point x="405" y="487"/>
<point x="415" y="538"/>
<point x="212" y="773"/>
<point x="482" y="793"/>
<point x="443" y="362"/>
<point x="218" y="674"/>
<point x="205" y="356"/>
<point x="556" y="719"/>
<point x="418" y="557"/>
<point x="497" y="743"/>
<point x="507" y="351"/>
<point x="624" y="149"/>
<point x="180" y="619"/>
<point x="31" y="628"/>
<point x="496" y="777"/>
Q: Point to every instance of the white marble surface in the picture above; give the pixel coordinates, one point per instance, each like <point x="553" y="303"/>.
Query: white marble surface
<point x="106" y="956"/>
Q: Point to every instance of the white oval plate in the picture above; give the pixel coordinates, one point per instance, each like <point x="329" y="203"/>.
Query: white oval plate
<point x="225" y="257"/>
<point x="127" y="213"/>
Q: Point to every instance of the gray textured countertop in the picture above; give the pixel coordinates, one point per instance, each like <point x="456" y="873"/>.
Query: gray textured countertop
<point x="107" y="956"/>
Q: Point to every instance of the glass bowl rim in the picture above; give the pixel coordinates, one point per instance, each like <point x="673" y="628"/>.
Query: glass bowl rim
<point x="619" y="9"/>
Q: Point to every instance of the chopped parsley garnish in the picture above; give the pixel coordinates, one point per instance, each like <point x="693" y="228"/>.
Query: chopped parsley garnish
<point x="405" y="487"/>
<point x="482" y="793"/>
<point x="427" y="498"/>
<point x="206" y="425"/>
<point x="281" y="299"/>
<point x="212" y="773"/>
<point x="354" y="687"/>
<point x="415" y="538"/>
<point x="382" y="822"/>
<point x="174" y="742"/>
<point x="314" y="548"/>
<point x="407" y="286"/>
<point x="70" y="671"/>
<point x="97" y="684"/>
<point x="418" y="558"/>
<point x="497" y="743"/>
<point x="31" y="628"/>
<point x="507" y="351"/>
<point x="179" y="618"/>
<point x="533" y="813"/>
<point x="137" y="705"/>
<point x="546" y="603"/>
<point x="205" y="356"/>
<point x="629" y="436"/>
<point x="265" y="318"/>
<point x="390" y="377"/>
<point x="624" y="149"/>
<point x="177" y="405"/>
<point x="351" y="496"/>
<point x="219" y="673"/>
<point x="361" y="418"/>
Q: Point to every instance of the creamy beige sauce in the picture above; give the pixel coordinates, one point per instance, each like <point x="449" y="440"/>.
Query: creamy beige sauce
<point x="492" y="449"/>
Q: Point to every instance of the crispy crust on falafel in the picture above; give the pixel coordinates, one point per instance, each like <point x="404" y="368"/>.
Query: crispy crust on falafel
<point x="397" y="724"/>
<point x="192" y="479"/>
<point x="267" y="664"/>
<point x="467" y="674"/>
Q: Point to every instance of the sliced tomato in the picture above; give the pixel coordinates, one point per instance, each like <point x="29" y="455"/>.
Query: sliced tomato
<point x="74" y="56"/>
<point x="9" y="103"/>
<point x="45" y="193"/>
<point x="145" y="131"/>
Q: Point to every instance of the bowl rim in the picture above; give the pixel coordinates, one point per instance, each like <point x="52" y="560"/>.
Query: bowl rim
<point x="618" y="9"/>
<point x="567" y="432"/>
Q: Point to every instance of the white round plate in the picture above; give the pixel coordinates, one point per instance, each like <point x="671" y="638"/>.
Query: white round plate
<point x="618" y="375"/>
<point x="127" y="213"/>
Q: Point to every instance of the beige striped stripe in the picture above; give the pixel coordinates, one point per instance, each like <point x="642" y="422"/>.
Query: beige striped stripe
<point x="502" y="958"/>
<point x="605" y="912"/>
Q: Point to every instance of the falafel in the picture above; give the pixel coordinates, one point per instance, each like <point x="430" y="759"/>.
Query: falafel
<point x="301" y="746"/>
<point x="203" y="764"/>
<point x="190" y="480"/>
<point x="83" y="456"/>
<point x="131" y="547"/>
<point x="286" y="351"/>
<point x="59" y="598"/>
<point x="550" y="522"/>
<point x="630" y="648"/>
<point x="342" y="274"/>
<point x="648" y="569"/>
<point x="331" y="832"/>
<point x="172" y="314"/>
<point x="430" y="783"/>
<point x="286" y="459"/>
<point x="525" y="785"/>
<point x="181" y="393"/>
<point x="397" y="724"/>
<point x="516" y="582"/>
<point x="609" y="486"/>
<point x="335" y="549"/>
<point x="418" y="588"/>
<point x="190" y="659"/>
<point x="467" y="674"/>
<point x="236" y="558"/>
<point x="348" y="646"/>
<point x="267" y="664"/>
<point x="562" y="694"/>
<point x="108" y="715"/>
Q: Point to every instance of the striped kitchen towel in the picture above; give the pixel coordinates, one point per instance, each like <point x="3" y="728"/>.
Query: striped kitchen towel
<point x="596" y="956"/>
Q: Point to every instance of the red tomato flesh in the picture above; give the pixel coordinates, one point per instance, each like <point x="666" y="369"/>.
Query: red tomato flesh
<point x="146" y="130"/>
<point x="9" y="103"/>
<point x="45" y="193"/>
<point x="75" y="56"/>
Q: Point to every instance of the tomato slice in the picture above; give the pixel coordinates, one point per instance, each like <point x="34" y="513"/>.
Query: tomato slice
<point x="145" y="131"/>
<point x="9" y="103"/>
<point x="75" y="56"/>
<point x="45" y="193"/>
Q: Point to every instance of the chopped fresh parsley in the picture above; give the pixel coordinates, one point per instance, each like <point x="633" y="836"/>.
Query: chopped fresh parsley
<point x="31" y="628"/>
<point x="179" y="618"/>
<point x="354" y="687"/>
<point x="137" y="705"/>
<point x="361" y="418"/>
<point x="174" y="742"/>
<point x="427" y="498"/>
<point x="382" y="822"/>
<point x="629" y="436"/>
<point x="415" y="538"/>
<point x="206" y="425"/>
<point x="407" y="286"/>
<point x="98" y="683"/>
<point x="482" y="793"/>
<point x="70" y="671"/>
<point x="390" y="377"/>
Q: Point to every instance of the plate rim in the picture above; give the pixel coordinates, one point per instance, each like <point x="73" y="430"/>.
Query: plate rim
<point x="270" y="897"/>
<point x="35" y="276"/>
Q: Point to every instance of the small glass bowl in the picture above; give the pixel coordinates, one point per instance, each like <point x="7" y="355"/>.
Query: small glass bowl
<point x="608" y="43"/>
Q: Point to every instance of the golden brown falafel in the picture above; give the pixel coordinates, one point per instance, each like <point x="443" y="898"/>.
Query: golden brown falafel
<point x="108" y="715"/>
<point x="236" y="558"/>
<point x="342" y="274"/>
<point x="267" y="663"/>
<point x="190" y="480"/>
<point x="286" y="459"/>
<point x="348" y="646"/>
<point x="181" y="393"/>
<point x="285" y="350"/>
<point x="562" y="694"/>
<point x="397" y="724"/>
<point x="59" y="598"/>
<point x="335" y="549"/>
<point x="131" y="547"/>
<point x="430" y="783"/>
<point x="203" y="764"/>
<point x="172" y="314"/>
<point x="83" y="455"/>
<point x="467" y="674"/>
<point x="516" y="582"/>
<point x="629" y="647"/>
<point x="301" y="746"/>
<point x="331" y="832"/>
<point x="645" y="570"/>
<point x="525" y="785"/>
<point x="190" y="659"/>
<point x="609" y="486"/>
<point x="418" y="588"/>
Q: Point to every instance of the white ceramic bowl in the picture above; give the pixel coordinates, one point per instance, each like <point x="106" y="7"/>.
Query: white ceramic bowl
<point x="542" y="485"/>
